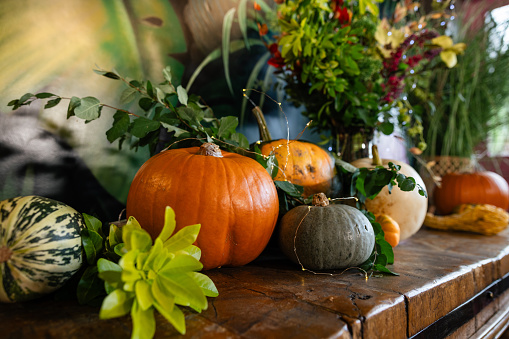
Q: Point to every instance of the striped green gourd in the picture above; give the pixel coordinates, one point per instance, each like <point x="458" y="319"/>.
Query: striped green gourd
<point x="40" y="246"/>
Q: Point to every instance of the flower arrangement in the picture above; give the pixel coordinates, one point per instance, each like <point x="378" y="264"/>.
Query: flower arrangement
<point x="350" y="69"/>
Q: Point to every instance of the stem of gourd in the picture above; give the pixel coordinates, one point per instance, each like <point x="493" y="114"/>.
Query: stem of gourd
<point x="262" y="124"/>
<point x="5" y="254"/>
<point x="320" y="199"/>
<point x="210" y="149"/>
<point x="376" y="156"/>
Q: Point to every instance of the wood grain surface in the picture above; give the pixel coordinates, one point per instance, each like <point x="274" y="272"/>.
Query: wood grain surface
<point x="444" y="277"/>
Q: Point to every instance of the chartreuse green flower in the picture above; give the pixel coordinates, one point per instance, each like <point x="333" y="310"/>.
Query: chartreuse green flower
<point x="155" y="276"/>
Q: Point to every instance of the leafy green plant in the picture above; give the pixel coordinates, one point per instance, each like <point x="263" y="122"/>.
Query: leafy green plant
<point x="464" y="104"/>
<point x="140" y="276"/>
<point x="163" y="116"/>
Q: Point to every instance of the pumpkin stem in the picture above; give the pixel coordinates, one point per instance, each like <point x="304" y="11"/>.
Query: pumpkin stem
<point x="262" y="124"/>
<point x="5" y="254"/>
<point x="376" y="156"/>
<point x="320" y="199"/>
<point x="210" y="149"/>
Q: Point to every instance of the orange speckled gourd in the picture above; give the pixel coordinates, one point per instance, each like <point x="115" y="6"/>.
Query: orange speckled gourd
<point x="230" y="195"/>
<point x="302" y="163"/>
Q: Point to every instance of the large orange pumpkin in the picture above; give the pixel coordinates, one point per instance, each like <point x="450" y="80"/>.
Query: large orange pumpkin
<point x="471" y="188"/>
<point x="299" y="162"/>
<point x="230" y="195"/>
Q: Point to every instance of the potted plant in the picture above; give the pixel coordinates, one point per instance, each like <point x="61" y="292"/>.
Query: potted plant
<point x="350" y="69"/>
<point x="462" y="106"/>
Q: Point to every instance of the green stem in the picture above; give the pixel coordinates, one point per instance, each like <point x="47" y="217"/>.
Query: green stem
<point x="262" y="124"/>
<point x="376" y="156"/>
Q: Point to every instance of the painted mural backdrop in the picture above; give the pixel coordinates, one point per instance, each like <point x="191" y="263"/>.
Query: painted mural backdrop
<point x="53" y="46"/>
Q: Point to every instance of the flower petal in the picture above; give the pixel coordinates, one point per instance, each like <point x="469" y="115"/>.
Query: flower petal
<point x="449" y="58"/>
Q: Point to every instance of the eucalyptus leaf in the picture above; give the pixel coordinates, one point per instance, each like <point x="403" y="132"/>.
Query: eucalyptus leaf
<point x="88" y="109"/>
<point x="128" y="95"/>
<point x="73" y="103"/>
<point x="182" y="95"/>
<point x="141" y="126"/>
<point x="52" y="103"/>
<point x="227" y="126"/>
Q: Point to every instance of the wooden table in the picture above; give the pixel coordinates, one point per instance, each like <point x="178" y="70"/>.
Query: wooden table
<point x="450" y="284"/>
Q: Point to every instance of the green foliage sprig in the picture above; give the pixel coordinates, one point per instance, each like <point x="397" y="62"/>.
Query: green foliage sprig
<point x="364" y="183"/>
<point x="137" y="276"/>
<point x="159" y="108"/>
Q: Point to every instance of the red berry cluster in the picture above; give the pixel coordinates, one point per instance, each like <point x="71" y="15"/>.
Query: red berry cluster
<point x="392" y="71"/>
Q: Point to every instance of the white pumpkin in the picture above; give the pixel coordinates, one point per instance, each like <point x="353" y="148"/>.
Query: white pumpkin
<point x="407" y="208"/>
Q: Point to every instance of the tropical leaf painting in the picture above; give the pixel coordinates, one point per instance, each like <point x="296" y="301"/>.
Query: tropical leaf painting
<point x="53" y="46"/>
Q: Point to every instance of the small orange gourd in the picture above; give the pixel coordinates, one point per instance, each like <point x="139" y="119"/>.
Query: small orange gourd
<point x="390" y="227"/>
<point x="299" y="162"/>
<point x="232" y="196"/>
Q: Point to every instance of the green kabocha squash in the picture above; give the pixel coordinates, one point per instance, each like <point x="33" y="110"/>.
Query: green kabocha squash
<point x="326" y="236"/>
<point x="40" y="246"/>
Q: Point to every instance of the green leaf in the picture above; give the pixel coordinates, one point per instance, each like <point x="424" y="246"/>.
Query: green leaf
<point x="150" y="89"/>
<point x="104" y="265"/>
<point x="136" y="239"/>
<point x="167" y="73"/>
<point x="25" y="98"/>
<point x="240" y="139"/>
<point x="128" y="95"/>
<point x="144" y="294"/>
<point x="141" y="126"/>
<point x="108" y="74"/>
<point x="92" y="244"/>
<point x="90" y="287"/>
<point x="407" y="184"/>
<point x="45" y="95"/>
<point x="178" y="131"/>
<point x="145" y="103"/>
<point x="88" y="109"/>
<point x="227" y="126"/>
<point x="181" y="264"/>
<point x="272" y="165"/>
<point x="74" y="102"/>
<point x="206" y="284"/>
<point x="227" y="25"/>
<point x="386" y="128"/>
<point x="121" y="122"/>
<point x="182" y="95"/>
<point x="161" y="295"/>
<point x="144" y="323"/>
<point x="381" y="268"/>
<point x="183" y="238"/>
<point x="174" y="316"/>
<point x="52" y="103"/>
<point x="92" y="223"/>
<point x="289" y="188"/>
<point x="118" y="303"/>
<point x="169" y="224"/>
<point x="185" y="290"/>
